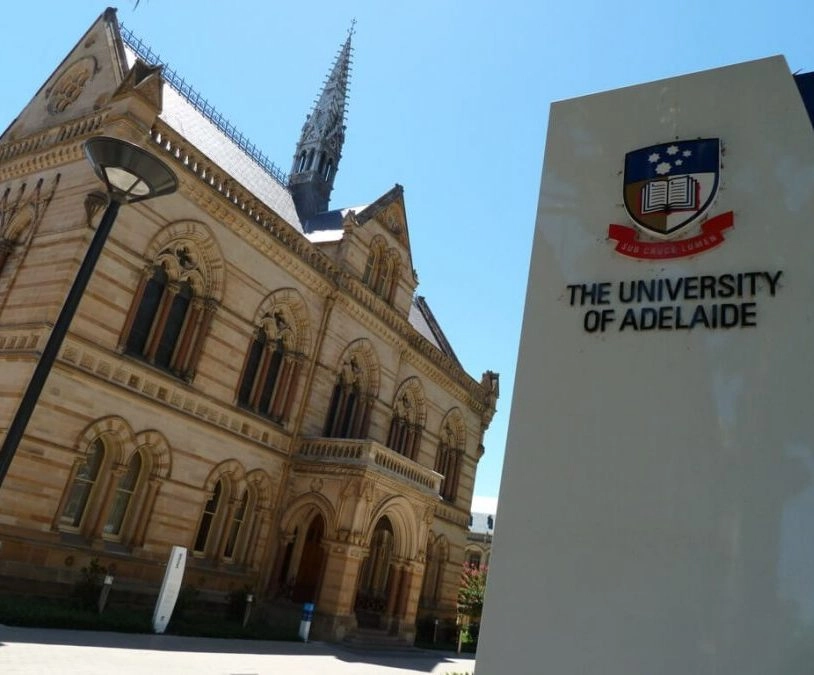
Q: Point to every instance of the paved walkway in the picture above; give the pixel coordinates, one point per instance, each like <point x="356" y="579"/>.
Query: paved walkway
<point x="41" y="651"/>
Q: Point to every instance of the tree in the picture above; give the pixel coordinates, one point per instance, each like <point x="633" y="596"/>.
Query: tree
<point x="470" y="593"/>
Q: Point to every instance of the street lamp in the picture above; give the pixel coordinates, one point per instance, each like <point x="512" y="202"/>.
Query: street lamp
<point x="130" y="175"/>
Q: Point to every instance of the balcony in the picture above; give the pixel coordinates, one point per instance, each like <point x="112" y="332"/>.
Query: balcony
<point x="371" y="455"/>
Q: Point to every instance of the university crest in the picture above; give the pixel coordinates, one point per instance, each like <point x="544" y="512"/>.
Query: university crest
<point x="667" y="191"/>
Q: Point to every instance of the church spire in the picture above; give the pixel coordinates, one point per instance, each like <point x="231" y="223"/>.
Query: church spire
<point x="320" y="145"/>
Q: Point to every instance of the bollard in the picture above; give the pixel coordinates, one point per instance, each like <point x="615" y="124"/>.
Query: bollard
<point x="247" y="613"/>
<point x="307" y="617"/>
<point x="435" y="632"/>
<point x="106" y="586"/>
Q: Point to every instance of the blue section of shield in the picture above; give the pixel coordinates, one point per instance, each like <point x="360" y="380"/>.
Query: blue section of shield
<point x="673" y="159"/>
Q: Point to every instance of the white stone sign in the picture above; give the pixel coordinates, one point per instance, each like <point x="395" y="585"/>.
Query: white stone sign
<point x="657" y="502"/>
<point x="170" y="587"/>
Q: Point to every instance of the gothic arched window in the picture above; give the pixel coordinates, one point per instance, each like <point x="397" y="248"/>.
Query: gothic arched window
<point x="382" y="269"/>
<point x="348" y="410"/>
<point x="271" y="370"/>
<point x="449" y="460"/>
<point x="355" y="392"/>
<point x="407" y="423"/>
<point x="171" y="311"/>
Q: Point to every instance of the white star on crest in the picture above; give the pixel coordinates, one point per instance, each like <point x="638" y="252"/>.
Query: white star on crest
<point x="687" y="153"/>
<point x="679" y="162"/>
<point x="655" y="157"/>
<point x="663" y="168"/>
<point x="672" y="150"/>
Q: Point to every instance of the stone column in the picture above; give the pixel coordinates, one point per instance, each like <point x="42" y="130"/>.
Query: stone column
<point x="146" y="275"/>
<point x="393" y="588"/>
<point x="203" y="326"/>
<point x="403" y="623"/>
<point x="102" y="513"/>
<point x="180" y="358"/>
<point x="335" y="617"/>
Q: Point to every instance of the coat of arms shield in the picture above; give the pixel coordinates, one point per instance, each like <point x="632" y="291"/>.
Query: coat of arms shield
<point x="671" y="185"/>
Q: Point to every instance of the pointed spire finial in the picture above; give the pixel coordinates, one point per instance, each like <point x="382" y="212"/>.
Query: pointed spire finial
<point x="323" y="134"/>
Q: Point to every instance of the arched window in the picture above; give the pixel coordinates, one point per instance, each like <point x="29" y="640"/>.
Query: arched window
<point x="374" y="262"/>
<point x="329" y="167"/>
<point x="301" y="162"/>
<point x="123" y="497"/>
<point x="348" y="410"/>
<point x="236" y="526"/>
<point x="407" y="423"/>
<point x="382" y="269"/>
<point x="171" y="310"/>
<point x="354" y="393"/>
<point x="448" y="461"/>
<point x="21" y="210"/>
<point x="271" y="369"/>
<point x="11" y="232"/>
<point x="210" y="511"/>
<point x="113" y="486"/>
<point x="83" y="482"/>
<point x="231" y="517"/>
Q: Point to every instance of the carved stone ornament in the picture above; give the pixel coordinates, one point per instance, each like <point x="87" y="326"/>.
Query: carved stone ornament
<point x="94" y="202"/>
<point x="70" y="85"/>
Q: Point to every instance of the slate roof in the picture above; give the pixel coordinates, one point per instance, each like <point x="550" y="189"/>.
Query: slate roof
<point x="184" y="118"/>
<point x="423" y="320"/>
<point x="481" y="523"/>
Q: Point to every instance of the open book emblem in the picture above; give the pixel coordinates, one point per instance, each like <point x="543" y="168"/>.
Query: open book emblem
<point x="671" y="185"/>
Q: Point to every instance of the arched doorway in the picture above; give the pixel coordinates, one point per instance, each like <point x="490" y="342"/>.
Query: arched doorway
<point x="309" y="572"/>
<point x="375" y="577"/>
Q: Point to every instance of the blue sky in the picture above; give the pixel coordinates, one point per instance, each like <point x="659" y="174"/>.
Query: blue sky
<point x="449" y="99"/>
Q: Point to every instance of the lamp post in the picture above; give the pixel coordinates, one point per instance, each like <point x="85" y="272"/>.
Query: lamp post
<point x="130" y="175"/>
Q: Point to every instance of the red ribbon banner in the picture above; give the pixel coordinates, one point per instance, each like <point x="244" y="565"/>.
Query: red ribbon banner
<point x="630" y="245"/>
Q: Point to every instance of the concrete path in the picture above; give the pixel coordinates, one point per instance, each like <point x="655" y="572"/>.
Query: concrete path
<point x="41" y="651"/>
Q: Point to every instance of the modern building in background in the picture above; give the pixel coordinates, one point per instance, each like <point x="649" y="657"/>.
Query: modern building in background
<point x="250" y="374"/>
<point x="479" y="540"/>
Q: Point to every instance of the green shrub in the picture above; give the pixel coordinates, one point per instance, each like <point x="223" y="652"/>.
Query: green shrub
<point x="87" y="589"/>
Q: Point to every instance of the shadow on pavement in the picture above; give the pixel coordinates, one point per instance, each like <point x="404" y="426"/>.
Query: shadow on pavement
<point x="411" y="659"/>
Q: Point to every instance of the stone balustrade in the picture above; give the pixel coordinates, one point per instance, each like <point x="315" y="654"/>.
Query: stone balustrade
<point x="370" y="454"/>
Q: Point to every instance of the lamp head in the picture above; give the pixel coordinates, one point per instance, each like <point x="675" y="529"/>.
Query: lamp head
<point x="129" y="173"/>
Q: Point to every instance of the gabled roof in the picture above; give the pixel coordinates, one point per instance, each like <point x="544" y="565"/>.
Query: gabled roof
<point x="423" y="320"/>
<point x="91" y="70"/>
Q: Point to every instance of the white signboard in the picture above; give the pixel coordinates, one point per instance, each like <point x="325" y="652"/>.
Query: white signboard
<point x="173" y="576"/>
<point x="657" y="501"/>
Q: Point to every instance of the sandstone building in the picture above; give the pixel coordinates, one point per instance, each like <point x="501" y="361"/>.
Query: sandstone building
<point x="250" y="374"/>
